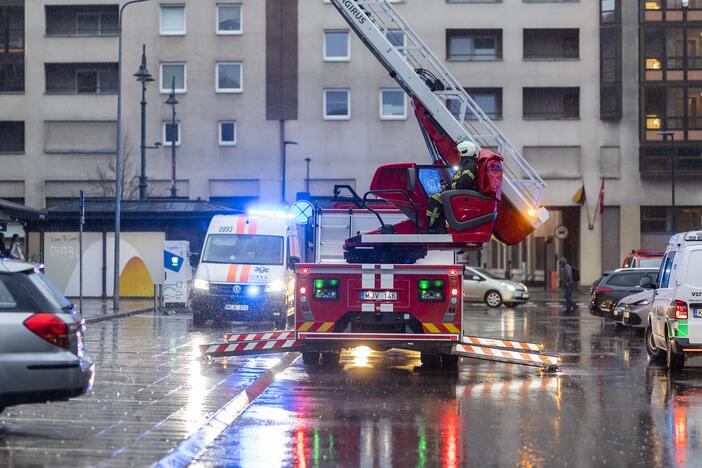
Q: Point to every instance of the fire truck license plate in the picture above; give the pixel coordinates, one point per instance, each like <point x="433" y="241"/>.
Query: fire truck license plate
<point x="379" y="295"/>
<point x="237" y="307"/>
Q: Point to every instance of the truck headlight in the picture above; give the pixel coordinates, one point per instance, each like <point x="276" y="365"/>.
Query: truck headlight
<point x="509" y="287"/>
<point x="275" y="286"/>
<point x="201" y="284"/>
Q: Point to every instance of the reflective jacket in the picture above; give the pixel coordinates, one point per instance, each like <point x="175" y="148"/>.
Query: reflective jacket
<point x="465" y="176"/>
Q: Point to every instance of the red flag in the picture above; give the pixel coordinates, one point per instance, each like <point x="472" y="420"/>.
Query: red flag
<point x="602" y="196"/>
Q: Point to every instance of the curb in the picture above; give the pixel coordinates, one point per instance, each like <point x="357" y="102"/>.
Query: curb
<point x="195" y="445"/>
<point x="118" y="315"/>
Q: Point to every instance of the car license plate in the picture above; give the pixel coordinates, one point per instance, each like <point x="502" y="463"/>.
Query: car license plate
<point x="238" y="307"/>
<point x="379" y="295"/>
<point x="697" y="313"/>
<point x="525" y="296"/>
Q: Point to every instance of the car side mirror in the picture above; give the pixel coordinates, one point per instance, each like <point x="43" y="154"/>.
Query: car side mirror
<point x="646" y="283"/>
<point x="194" y="259"/>
<point x="294" y="261"/>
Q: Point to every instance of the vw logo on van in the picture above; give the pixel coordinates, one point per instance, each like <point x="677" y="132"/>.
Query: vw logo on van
<point x="236" y="289"/>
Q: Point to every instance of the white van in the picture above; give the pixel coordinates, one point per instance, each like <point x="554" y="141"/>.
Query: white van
<point x="245" y="270"/>
<point x="674" y="330"/>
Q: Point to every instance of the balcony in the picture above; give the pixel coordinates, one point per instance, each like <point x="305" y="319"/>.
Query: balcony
<point x="81" y="78"/>
<point x="81" y="20"/>
<point x="551" y="44"/>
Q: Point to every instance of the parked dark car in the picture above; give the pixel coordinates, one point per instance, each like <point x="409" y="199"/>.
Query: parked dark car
<point x="615" y="285"/>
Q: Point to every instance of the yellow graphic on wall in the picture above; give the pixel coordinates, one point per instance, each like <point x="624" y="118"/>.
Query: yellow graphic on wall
<point x="135" y="279"/>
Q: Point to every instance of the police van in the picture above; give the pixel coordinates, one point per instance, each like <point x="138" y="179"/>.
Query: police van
<point x="246" y="269"/>
<point x="674" y="330"/>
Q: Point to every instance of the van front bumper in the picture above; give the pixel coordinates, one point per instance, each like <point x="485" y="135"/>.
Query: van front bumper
<point x="266" y="306"/>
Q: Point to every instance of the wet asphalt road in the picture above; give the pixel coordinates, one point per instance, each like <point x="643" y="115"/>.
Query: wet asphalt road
<point x="607" y="408"/>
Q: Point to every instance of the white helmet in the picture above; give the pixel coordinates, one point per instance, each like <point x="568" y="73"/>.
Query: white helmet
<point x="467" y="149"/>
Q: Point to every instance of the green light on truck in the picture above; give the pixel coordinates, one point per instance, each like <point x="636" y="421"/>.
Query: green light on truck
<point x="318" y="284"/>
<point x="423" y="284"/>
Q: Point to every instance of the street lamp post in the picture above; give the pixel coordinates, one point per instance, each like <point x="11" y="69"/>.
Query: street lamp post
<point x="172" y="101"/>
<point x="118" y="156"/>
<point x="665" y="136"/>
<point x="144" y="77"/>
<point x="307" y="178"/>
<point x="285" y="162"/>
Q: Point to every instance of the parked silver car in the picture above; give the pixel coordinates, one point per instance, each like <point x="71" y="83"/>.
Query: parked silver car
<point x="41" y="340"/>
<point x="632" y="311"/>
<point x="480" y="285"/>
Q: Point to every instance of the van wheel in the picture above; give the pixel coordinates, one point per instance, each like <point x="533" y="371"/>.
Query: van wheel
<point x="493" y="299"/>
<point x="449" y="362"/>
<point x="331" y="360"/>
<point x="675" y="360"/>
<point x="655" y="354"/>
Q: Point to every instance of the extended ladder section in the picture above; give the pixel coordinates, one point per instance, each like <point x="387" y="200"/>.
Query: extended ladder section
<point x="423" y="76"/>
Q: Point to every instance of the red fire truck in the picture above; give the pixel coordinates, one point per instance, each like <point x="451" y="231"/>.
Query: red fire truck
<point x="379" y="296"/>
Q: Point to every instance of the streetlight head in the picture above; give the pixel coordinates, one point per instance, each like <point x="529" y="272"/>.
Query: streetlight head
<point x="667" y="133"/>
<point x="172" y="101"/>
<point x="158" y="144"/>
<point x="291" y="143"/>
<point x="143" y="75"/>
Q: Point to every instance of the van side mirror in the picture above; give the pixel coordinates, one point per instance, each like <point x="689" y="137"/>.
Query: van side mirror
<point x="194" y="259"/>
<point x="294" y="261"/>
<point x="647" y="283"/>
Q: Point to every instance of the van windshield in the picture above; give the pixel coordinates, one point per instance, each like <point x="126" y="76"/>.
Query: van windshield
<point x="243" y="249"/>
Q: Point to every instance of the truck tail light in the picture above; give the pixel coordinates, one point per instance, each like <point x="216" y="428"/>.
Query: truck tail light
<point x="50" y="328"/>
<point x="326" y="289"/>
<point x="603" y="290"/>
<point x="680" y="310"/>
<point x="454" y="292"/>
<point x="432" y="290"/>
<point x="303" y="290"/>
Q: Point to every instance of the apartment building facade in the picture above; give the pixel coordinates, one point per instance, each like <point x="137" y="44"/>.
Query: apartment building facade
<point x="564" y="79"/>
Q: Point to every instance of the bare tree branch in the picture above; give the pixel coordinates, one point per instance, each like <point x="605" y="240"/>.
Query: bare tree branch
<point x="103" y="178"/>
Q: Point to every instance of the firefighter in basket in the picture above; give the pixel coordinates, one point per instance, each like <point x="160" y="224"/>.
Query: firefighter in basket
<point x="464" y="179"/>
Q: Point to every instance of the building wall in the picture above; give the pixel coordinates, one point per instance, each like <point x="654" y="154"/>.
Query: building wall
<point x="349" y="150"/>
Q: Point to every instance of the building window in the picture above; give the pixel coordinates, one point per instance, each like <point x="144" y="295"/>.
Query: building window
<point x="337" y="46"/>
<point x="170" y="71"/>
<point x="489" y="100"/>
<point x="172" y="20"/>
<point x="12" y="77"/>
<point x="659" y="219"/>
<point x="11" y="137"/>
<point x="337" y="104"/>
<point x="551" y="103"/>
<point x="551" y="44"/>
<point x="610" y="60"/>
<point x="396" y="37"/>
<point x="227" y="133"/>
<point x="393" y="105"/>
<point x="229" y="19"/>
<point x="171" y="133"/>
<point x="229" y="77"/>
<point x="81" y="78"/>
<point x="474" y="44"/>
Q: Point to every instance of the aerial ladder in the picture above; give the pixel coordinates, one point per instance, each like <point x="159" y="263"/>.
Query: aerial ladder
<point x="379" y="298"/>
<point x="447" y="115"/>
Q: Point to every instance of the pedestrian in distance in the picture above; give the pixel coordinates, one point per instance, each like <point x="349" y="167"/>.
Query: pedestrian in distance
<point x="568" y="284"/>
<point x="3" y="247"/>
<point x="15" y="250"/>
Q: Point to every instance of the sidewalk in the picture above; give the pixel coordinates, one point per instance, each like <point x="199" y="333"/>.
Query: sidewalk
<point x="97" y="310"/>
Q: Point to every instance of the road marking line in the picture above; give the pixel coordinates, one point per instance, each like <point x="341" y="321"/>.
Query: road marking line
<point x="191" y="448"/>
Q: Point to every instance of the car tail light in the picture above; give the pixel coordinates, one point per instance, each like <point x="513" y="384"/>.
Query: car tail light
<point x="680" y="310"/>
<point x="603" y="290"/>
<point x="50" y="328"/>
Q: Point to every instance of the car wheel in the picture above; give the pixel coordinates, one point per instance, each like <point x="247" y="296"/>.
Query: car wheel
<point x="674" y="360"/>
<point x="198" y="319"/>
<point x="493" y="299"/>
<point x="310" y="358"/>
<point x="449" y="362"/>
<point x="654" y="353"/>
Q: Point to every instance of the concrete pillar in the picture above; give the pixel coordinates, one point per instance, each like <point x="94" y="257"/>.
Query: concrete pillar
<point x="591" y="249"/>
<point x="630" y="229"/>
